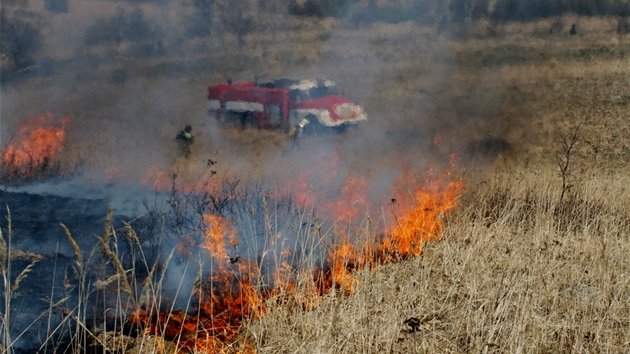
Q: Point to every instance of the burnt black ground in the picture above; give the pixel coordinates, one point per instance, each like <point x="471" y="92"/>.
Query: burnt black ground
<point x="37" y="238"/>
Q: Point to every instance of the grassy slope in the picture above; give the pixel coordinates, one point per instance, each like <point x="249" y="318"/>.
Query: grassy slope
<point x="514" y="272"/>
<point x="517" y="270"/>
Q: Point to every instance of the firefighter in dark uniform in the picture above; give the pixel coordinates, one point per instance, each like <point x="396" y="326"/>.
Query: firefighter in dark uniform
<point x="185" y="140"/>
<point x="297" y="131"/>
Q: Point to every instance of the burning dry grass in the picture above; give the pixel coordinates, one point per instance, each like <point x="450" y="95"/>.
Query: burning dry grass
<point x="519" y="268"/>
<point x="515" y="271"/>
<point x="33" y="151"/>
<point x="239" y="287"/>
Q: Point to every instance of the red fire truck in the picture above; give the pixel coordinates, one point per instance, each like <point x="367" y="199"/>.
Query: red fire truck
<point x="284" y="104"/>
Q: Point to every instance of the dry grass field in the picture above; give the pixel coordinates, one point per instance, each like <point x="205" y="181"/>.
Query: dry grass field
<point x="518" y="269"/>
<point x="534" y="259"/>
<point x="515" y="272"/>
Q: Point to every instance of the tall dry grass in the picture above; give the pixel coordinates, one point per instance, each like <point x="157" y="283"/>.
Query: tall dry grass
<point x="519" y="269"/>
<point x="516" y="271"/>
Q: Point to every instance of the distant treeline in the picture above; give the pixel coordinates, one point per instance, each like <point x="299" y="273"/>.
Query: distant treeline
<point x="457" y="10"/>
<point x="528" y="10"/>
<point x="22" y="32"/>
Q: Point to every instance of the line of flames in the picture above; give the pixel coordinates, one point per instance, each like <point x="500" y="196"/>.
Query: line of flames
<point x="231" y="297"/>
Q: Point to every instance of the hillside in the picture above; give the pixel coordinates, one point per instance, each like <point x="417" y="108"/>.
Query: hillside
<point x="530" y="118"/>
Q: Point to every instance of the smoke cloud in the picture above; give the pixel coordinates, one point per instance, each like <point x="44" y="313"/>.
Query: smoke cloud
<point x="132" y="74"/>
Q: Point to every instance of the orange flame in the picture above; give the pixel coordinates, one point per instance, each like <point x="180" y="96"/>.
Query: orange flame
<point x="35" y="146"/>
<point x="225" y="300"/>
<point x="420" y="217"/>
<point x="334" y="198"/>
<point x="216" y="231"/>
<point x="231" y="296"/>
<point x="350" y="202"/>
<point x="341" y="265"/>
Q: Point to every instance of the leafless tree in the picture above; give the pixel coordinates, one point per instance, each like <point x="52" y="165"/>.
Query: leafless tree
<point x="565" y="158"/>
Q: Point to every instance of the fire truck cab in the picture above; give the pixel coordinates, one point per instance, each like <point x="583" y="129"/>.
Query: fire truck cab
<point x="283" y="104"/>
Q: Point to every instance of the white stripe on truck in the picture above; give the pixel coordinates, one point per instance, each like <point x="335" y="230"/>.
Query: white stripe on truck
<point x="240" y="106"/>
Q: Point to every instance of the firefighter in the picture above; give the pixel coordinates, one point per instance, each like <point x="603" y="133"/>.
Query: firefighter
<point x="296" y="131"/>
<point x="303" y="123"/>
<point x="185" y="140"/>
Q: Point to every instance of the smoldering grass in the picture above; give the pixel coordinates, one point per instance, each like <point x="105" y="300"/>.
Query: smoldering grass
<point x="146" y="296"/>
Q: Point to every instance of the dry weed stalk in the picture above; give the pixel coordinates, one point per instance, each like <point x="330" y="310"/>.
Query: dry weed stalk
<point x="121" y="273"/>
<point x="9" y="289"/>
<point x="75" y="246"/>
<point x="5" y="268"/>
